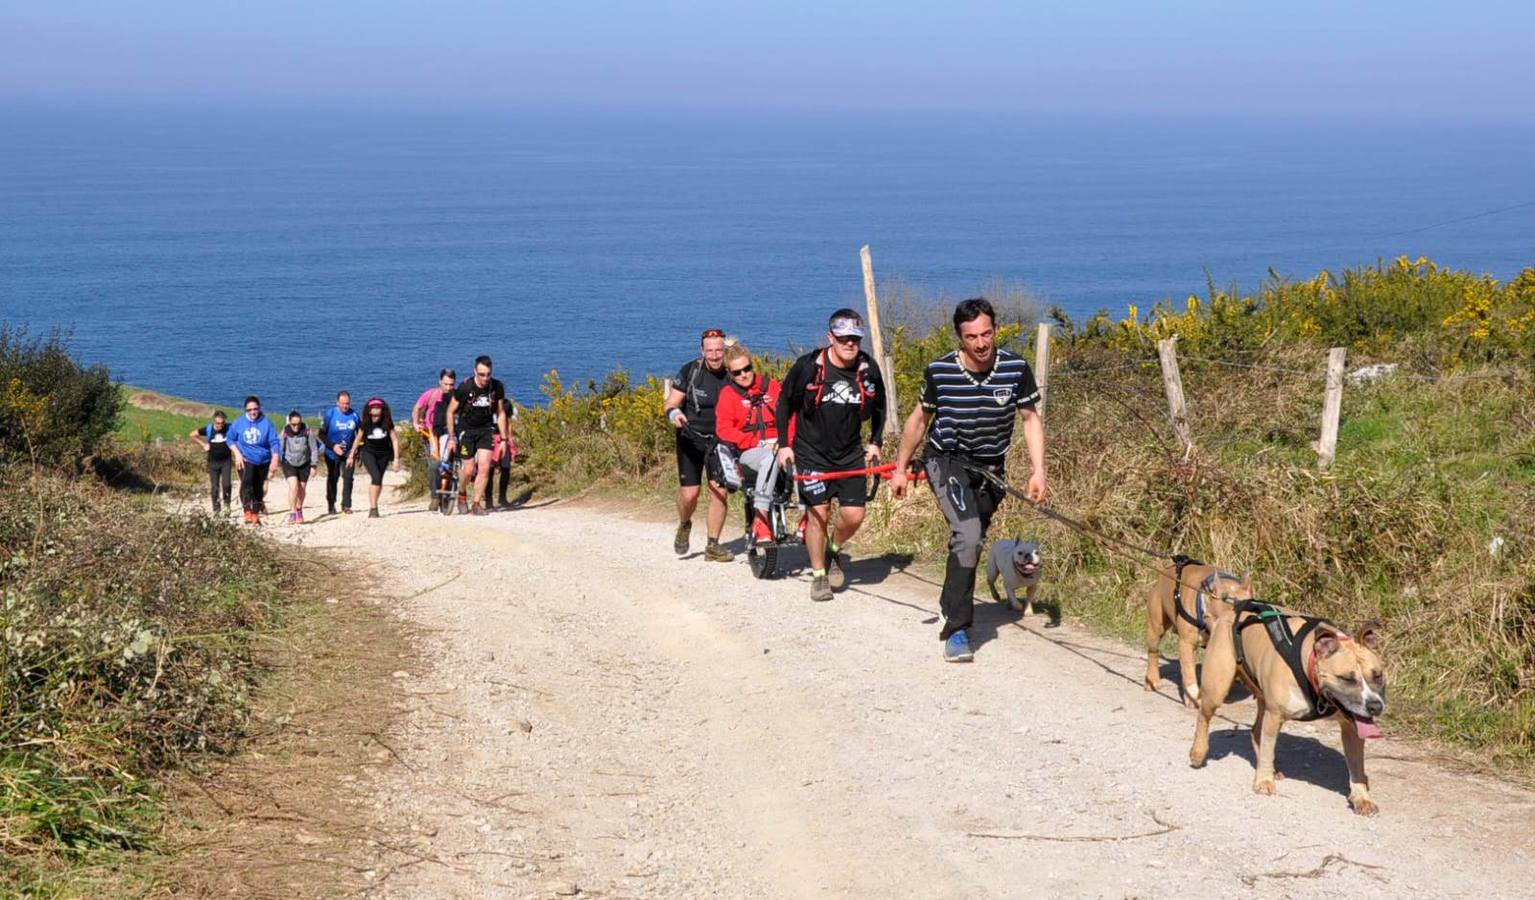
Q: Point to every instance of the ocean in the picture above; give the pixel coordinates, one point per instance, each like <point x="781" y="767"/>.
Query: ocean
<point x="215" y="252"/>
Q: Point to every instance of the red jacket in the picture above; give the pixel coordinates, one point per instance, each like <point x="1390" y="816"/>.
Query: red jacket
<point x="736" y="411"/>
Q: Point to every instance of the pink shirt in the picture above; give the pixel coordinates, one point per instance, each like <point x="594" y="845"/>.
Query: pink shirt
<point x="428" y="402"/>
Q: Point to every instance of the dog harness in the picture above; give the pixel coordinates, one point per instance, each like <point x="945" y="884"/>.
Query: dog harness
<point x="1287" y="644"/>
<point x="1206" y="589"/>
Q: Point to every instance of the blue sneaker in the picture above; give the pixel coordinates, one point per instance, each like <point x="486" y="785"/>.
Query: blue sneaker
<point x="957" y="648"/>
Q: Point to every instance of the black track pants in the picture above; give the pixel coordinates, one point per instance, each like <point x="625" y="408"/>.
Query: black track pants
<point x="338" y="470"/>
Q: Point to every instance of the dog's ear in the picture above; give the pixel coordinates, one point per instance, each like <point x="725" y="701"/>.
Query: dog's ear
<point x="1326" y="645"/>
<point x="1369" y="635"/>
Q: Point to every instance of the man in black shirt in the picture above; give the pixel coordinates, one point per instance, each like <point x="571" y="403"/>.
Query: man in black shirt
<point x="827" y="396"/>
<point x="970" y="398"/>
<point x="474" y="419"/>
<point x="690" y="405"/>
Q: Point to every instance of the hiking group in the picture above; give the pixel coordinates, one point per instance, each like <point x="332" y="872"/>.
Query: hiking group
<point x="471" y="420"/>
<point x="735" y="427"/>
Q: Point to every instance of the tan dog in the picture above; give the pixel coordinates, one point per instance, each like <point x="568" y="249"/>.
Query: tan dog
<point x="1202" y="592"/>
<point x="1344" y="680"/>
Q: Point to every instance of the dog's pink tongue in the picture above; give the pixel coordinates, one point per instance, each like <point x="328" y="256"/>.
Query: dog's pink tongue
<point x="1367" y="728"/>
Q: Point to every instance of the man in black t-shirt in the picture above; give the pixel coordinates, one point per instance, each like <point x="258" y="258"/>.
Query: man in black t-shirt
<point x="474" y="419"/>
<point x="690" y="405"/>
<point x="827" y="396"/>
<point x="970" y="399"/>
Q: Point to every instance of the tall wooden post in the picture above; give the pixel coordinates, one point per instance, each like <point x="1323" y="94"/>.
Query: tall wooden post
<point x="1332" y="407"/>
<point x="1042" y="363"/>
<point x="871" y="298"/>
<point x="1172" y="383"/>
<point x="877" y="342"/>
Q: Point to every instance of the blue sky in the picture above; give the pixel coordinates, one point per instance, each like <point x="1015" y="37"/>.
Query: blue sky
<point x="1402" y="59"/>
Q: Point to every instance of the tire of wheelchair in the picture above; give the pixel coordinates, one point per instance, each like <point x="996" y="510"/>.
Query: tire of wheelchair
<point x="763" y="561"/>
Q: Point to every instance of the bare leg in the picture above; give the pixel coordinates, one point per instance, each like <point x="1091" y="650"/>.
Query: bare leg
<point x="815" y="535"/>
<point x="849" y="520"/>
<point x="687" y="502"/>
<point x="482" y="466"/>
<point x="718" y="505"/>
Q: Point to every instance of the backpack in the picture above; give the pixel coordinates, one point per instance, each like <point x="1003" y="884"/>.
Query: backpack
<point x="816" y="390"/>
<point x="297" y="450"/>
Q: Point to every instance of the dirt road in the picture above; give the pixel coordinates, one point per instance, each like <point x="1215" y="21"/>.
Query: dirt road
<point x="596" y="715"/>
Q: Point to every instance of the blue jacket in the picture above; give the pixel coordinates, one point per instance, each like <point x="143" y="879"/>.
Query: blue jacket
<point x="257" y="441"/>
<point x="337" y="427"/>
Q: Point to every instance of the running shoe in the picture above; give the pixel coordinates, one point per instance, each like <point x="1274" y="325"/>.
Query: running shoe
<point x="373" y="513"/>
<point x="463" y="505"/>
<point x="293" y="518"/>
<point x="836" y="570"/>
<point x="477" y="510"/>
<point x="330" y="509"/>
<point x="346" y="510"/>
<point x="680" y="542"/>
<point x="301" y="517"/>
<point x="957" y="648"/>
<point x="820" y="590"/>
<point x="250" y="517"/>
<point x="713" y="552"/>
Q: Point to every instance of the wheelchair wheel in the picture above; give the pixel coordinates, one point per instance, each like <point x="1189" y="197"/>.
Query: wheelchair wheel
<point x="763" y="560"/>
<point x="445" y="504"/>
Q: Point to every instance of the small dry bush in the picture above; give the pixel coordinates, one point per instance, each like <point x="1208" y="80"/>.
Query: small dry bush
<point x="128" y="640"/>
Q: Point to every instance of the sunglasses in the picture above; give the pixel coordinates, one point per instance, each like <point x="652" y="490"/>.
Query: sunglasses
<point x="847" y="339"/>
<point x="745" y="370"/>
<point x="711" y="333"/>
<point x="253" y="409"/>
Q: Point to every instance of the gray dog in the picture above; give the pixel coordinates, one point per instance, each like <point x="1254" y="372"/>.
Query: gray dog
<point x="1018" y="564"/>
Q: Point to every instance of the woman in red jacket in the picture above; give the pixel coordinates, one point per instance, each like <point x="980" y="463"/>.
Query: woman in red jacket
<point x="744" y="419"/>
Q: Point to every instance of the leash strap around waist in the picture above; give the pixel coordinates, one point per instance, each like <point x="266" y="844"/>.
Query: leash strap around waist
<point x="881" y="470"/>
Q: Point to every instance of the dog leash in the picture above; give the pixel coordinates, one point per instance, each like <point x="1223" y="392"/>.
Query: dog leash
<point x="1116" y="546"/>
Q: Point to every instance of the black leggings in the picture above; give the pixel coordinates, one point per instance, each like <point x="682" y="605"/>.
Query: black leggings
<point x="375" y="462"/>
<point x="253" y="486"/>
<point x="220" y="484"/>
<point x="338" y="470"/>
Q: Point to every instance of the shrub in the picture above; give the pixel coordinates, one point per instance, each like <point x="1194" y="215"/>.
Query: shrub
<point x="53" y="412"/>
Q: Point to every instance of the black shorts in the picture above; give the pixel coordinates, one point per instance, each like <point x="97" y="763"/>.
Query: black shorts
<point x="375" y="463"/>
<point x="474" y="440"/>
<point x="690" y="462"/>
<point x="853" y="491"/>
<point x="299" y="472"/>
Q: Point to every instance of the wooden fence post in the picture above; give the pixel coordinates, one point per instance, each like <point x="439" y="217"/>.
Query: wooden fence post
<point x="877" y="342"/>
<point x="1042" y="363"/>
<point x="1172" y="383"/>
<point x="1332" y="407"/>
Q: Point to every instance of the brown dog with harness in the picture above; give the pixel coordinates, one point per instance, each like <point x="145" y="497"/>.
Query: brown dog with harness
<point x="1182" y="596"/>
<point x="1298" y="668"/>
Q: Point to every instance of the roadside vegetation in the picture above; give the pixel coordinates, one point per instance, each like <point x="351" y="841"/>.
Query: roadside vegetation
<point x="131" y="639"/>
<point x="1426" y="521"/>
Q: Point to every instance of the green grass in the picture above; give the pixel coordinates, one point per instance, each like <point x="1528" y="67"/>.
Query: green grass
<point x="137" y="424"/>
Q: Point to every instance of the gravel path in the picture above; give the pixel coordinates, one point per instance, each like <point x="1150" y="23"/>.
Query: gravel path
<point x="599" y="716"/>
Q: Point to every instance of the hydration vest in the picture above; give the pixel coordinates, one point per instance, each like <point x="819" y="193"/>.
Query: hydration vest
<point x="815" y="392"/>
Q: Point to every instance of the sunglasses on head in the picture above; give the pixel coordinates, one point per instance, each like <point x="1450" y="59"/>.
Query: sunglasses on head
<point x="744" y="370"/>
<point x="711" y="333"/>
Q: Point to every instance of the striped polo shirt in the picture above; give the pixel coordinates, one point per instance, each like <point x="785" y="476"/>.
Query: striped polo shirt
<point x="973" y="413"/>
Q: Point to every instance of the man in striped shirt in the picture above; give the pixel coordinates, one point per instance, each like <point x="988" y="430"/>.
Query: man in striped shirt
<point x="970" y="399"/>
